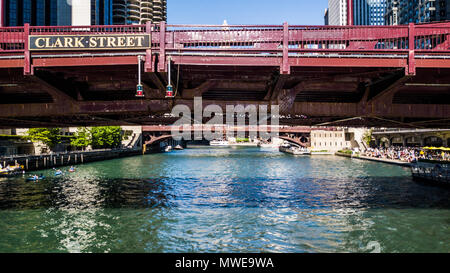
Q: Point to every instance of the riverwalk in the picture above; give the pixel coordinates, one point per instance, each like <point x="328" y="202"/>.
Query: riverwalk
<point x="382" y="160"/>
<point x="45" y="161"/>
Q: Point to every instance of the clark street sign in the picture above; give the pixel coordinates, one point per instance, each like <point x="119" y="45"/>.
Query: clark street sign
<point x="90" y="42"/>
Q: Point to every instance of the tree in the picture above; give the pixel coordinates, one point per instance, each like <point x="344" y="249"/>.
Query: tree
<point x="367" y="137"/>
<point x="106" y="137"/>
<point x="48" y="136"/>
<point x="82" y="138"/>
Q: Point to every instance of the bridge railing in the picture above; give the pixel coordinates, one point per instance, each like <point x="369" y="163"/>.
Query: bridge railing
<point x="255" y="38"/>
<point x="12" y="39"/>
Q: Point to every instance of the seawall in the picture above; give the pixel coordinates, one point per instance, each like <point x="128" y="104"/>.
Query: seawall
<point x="39" y="162"/>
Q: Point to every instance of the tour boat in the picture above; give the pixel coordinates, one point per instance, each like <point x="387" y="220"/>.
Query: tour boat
<point x="431" y="172"/>
<point x="220" y="142"/>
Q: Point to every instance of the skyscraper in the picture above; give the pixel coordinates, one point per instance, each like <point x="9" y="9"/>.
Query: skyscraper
<point x="56" y="12"/>
<point x="401" y="12"/>
<point x="337" y="12"/>
<point x="377" y="9"/>
<point x="127" y="12"/>
<point x="362" y="12"/>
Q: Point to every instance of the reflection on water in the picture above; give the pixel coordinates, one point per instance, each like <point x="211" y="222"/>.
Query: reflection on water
<point x="224" y="200"/>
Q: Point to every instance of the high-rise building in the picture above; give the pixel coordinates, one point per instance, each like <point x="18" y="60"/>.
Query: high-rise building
<point x="377" y="9"/>
<point x="127" y="12"/>
<point x="363" y="12"/>
<point x="325" y="17"/>
<point x="56" y="12"/>
<point x="337" y="12"/>
<point x="401" y="12"/>
<point x="391" y="13"/>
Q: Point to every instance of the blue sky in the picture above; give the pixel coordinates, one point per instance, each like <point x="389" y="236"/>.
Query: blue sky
<point x="238" y="12"/>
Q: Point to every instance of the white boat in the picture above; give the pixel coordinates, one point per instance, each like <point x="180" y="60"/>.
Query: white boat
<point x="220" y="142"/>
<point x="178" y="147"/>
<point x="268" y="145"/>
<point x="168" y="149"/>
<point x="294" y="150"/>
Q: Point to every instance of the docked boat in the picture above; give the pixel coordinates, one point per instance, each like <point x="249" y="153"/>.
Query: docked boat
<point x="294" y="150"/>
<point x="268" y="145"/>
<point x="11" y="171"/>
<point x="178" y="147"/>
<point x="219" y="142"/>
<point x="168" y="149"/>
<point x="431" y="172"/>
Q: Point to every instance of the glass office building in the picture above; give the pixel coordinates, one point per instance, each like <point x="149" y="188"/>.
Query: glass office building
<point x="402" y="12"/>
<point x="55" y="12"/>
<point x="368" y="12"/>
<point x="363" y="12"/>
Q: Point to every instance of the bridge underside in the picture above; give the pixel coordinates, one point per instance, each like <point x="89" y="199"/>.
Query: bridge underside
<point x="91" y="95"/>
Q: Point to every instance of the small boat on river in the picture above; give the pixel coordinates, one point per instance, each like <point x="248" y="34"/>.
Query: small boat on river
<point x="294" y="149"/>
<point x="11" y="171"/>
<point x="35" y="178"/>
<point x="178" y="147"/>
<point x="219" y="142"/>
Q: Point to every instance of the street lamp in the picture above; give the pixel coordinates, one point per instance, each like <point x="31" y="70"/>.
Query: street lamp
<point x="139" y="87"/>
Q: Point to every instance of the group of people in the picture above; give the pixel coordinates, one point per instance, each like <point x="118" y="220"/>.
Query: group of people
<point x="407" y="154"/>
<point x="10" y="168"/>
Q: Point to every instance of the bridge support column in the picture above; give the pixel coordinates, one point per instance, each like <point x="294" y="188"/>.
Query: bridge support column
<point x="411" y="69"/>
<point x="162" y="48"/>
<point x="149" y="65"/>
<point x="285" y="67"/>
<point x="27" y="69"/>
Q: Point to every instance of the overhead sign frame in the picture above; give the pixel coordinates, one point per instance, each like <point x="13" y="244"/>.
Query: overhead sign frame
<point x="89" y="42"/>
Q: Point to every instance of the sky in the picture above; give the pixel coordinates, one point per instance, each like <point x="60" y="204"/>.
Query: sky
<point x="238" y="12"/>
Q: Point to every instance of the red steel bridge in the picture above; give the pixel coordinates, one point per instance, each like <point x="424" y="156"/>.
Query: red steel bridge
<point x="319" y="75"/>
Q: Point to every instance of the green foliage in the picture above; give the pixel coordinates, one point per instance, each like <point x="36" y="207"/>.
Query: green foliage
<point x="82" y="138"/>
<point x="106" y="137"/>
<point x="367" y="137"/>
<point x="48" y="136"/>
<point x="347" y="152"/>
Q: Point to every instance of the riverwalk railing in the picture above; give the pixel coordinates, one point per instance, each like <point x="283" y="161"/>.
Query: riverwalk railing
<point x="12" y="157"/>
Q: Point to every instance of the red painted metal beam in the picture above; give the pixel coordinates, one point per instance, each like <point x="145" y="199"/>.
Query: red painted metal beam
<point x="348" y="62"/>
<point x="350" y="12"/>
<point x="228" y="61"/>
<point x="11" y="63"/>
<point x="85" y="61"/>
<point x="412" y="46"/>
<point x="310" y="109"/>
<point x="285" y="68"/>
